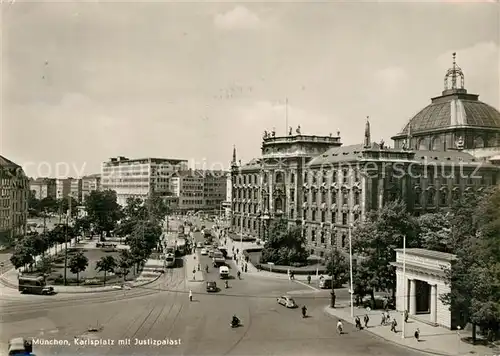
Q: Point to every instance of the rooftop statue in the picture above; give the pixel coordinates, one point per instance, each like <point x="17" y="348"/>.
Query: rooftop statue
<point x="290" y="131"/>
<point x="298" y="130"/>
<point x="265" y="135"/>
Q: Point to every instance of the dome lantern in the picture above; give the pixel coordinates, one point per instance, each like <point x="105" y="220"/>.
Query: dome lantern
<point x="451" y="77"/>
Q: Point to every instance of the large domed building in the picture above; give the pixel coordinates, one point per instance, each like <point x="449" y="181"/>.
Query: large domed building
<point x="455" y="120"/>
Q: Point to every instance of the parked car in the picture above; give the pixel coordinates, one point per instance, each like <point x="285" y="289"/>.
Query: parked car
<point x="204" y="252"/>
<point x="211" y="286"/>
<point x="287" y="302"/>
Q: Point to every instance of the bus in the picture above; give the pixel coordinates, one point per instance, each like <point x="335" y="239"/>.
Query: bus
<point x="170" y="255"/>
<point x="181" y="246"/>
<point x="34" y="285"/>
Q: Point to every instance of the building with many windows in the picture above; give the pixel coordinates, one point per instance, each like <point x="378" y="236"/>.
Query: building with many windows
<point x="324" y="187"/>
<point x="90" y="183"/>
<point x="199" y="190"/>
<point x="139" y="177"/>
<point x="75" y="189"/>
<point x="42" y="188"/>
<point x="63" y="187"/>
<point x="14" y="192"/>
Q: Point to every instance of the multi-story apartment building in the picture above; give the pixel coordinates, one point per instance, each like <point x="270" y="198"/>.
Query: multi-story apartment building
<point x="43" y="188"/>
<point x="200" y="190"/>
<point x="139" y="177"/>
<point x="63" y="187"/>
<point x="75" y="189"/>
<point x="90" y="183"/>
<point x="14" y="192"/>
<point x="325" y="188"/>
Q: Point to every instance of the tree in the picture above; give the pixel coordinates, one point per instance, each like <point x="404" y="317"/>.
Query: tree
<point x="21" y="257"/>
<point x="474" y="277"/>
<point x="337" y="268"/>
<point x="134" y="209"/>
<point x="78" y="263"/>
<point x="284" y="246"/>
<point x="103" y="211"/>
<point x="49" y="204"/>
<point x="157" y="207"/>
<point x="46" y="266"/>
<point x="434" y="232"/>
<point x="125" y="262"/>
<point x="63" y="205"/>
<point x="34" y="207"/>
<point x="106" y="264"/>
<point x="375" y="240"/>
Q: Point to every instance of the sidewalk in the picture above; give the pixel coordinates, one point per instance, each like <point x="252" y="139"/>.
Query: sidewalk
<point x="433" y="340"/>
<point x="147" y="276"/>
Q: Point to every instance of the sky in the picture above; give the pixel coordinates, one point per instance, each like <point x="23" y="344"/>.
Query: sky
<point x="85" y="81"/>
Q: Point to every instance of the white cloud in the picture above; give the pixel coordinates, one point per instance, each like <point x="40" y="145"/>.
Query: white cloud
<point x="238" y="18"/>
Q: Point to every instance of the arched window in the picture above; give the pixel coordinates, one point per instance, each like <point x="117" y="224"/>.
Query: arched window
<point x="292" y="178"/>
<point x="437" y="144"/>
<point x="278" y="204"/>
<point x="422" y="145"/>
<point x="478" y="142"/>
<point x="279" y="177"/>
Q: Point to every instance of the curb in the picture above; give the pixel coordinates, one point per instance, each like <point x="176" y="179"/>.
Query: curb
<point x="429" y="352"/>
<point x="8" y="284"/>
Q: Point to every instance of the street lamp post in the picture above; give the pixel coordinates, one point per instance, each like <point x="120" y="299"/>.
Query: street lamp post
<point x="351" y="291"/>
<point x="405" y="287"/>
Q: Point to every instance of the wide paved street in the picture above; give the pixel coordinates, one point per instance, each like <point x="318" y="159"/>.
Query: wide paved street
<point x="162" y="313"/>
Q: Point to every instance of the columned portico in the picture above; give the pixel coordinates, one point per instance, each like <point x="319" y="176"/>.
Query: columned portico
<point x="425" y="283"/>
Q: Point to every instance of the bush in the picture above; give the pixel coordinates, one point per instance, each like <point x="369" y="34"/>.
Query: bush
<point x="295" y="270"/>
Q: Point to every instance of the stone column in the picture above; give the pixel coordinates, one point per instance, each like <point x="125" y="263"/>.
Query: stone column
<point x="433" y="303"/>
<point x="413" y="297"/>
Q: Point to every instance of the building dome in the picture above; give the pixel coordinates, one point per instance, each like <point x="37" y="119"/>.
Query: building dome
<point x="455" y="108"/>
<point x="453" y="120"/>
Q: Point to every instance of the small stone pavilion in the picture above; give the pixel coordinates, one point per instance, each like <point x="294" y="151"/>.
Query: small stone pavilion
<point x="425" y="283"/>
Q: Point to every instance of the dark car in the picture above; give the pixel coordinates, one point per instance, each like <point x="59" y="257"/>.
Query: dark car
<point x="211" y="287"/>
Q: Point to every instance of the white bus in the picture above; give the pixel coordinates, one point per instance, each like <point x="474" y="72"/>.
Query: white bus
<point x="170" y="256"/>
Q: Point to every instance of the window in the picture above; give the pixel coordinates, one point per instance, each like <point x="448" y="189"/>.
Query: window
<point x="356" y="217"/>
<point x="345" y="198"/>
<point x="279" y="177"/>
<point x="313" y="216"/>
<point x="325" y="177"/>
<point x="344" y="218"/>
<point x="345" y="175"/>
<point x="292" y="213"/>
<point x="314" y="178"/>
<point x="292" y="178"/>
<point x="322" y="237"/>
<point x="344" y="239"/>
<point x="356" y="198"/>
<point x="333" y="217"/>
<point x="323" y="197"/>
<point x="323" y="216"/>
<point x="333" y="196"/>
<point x="314" y="197"/>
<point x="304" y="214"/>
<point x="313" y="235"/>
<point x="356" y="175"/>
<point x="292" y="195"/>
<point x="430" y="197"/>
<point x="443" y="198"/>
<point x="418" y="198"/>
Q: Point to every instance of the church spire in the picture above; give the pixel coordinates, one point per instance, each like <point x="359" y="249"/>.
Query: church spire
<point x="368" y="141"/>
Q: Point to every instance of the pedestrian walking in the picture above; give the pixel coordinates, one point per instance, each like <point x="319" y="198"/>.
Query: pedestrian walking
<point x="417" y="334"/>
<point x="382" y="321"/>
<point x="366" y="319"/>
<point x="357" y="321"/>
<point x="190" y="295"/>
<point x="246" y="268"/>
<point x="309" y="279"/>
<point x="340" y="327"/>
<point x="406" y="316"/>
<point x="393" y="325"/>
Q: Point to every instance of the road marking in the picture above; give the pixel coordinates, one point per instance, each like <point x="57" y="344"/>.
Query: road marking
<point x="307" y="285"/>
